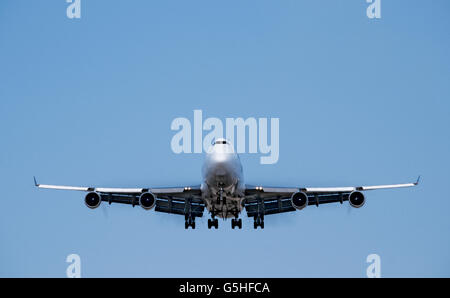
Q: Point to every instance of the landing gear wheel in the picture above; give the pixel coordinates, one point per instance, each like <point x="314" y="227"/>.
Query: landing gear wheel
<point x="236" y="223"/>
<point x="213" y="223"/>
<point x="189" y="223"/>
<point x="258" y="222"/>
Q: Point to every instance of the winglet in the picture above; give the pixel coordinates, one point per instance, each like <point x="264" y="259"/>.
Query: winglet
<point x="418" y="181"/>
<point x="35" y="183"/>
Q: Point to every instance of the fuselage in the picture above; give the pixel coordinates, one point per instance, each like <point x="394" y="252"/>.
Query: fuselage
<point x="223" y="182"/>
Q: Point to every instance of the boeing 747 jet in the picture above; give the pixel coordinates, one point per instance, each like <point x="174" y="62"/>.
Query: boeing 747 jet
<point x="224" y="194"/>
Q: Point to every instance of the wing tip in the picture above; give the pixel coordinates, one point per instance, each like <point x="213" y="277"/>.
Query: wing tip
<point x="418" y="181"/>
<point x="35" y="182"/>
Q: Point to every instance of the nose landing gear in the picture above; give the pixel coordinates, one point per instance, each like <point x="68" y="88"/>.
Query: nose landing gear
<point x="220" y="197"/>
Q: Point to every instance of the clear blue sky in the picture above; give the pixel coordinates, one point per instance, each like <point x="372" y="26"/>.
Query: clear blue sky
<point x="90" y="102"/>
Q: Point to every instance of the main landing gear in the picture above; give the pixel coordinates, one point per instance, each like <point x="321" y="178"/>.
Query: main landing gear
<point x="213" y="223"/>
<point x="235" y="222"/>
<point x="259" y="222"/>
<point x="189" y="222"/>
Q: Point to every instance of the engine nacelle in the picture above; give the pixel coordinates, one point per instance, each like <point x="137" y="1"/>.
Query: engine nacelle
<point x="299" y="200"/>
<point x="147" y="200"/>
<point x="92" y="200"/>
<point x="356" y="199"/>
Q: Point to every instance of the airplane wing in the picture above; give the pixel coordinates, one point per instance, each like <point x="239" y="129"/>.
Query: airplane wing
<point x="262" y="200"/>
<point x="175" y="200"/>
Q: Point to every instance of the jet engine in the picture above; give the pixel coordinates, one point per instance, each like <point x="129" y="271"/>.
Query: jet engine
<point x="356" y="199"/>
<point x="147" y="200"/>
<point x="92" y="200"/>
<point x="299" y="200"/>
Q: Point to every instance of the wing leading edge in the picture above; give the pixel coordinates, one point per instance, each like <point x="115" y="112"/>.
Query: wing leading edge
<point x="261" y="200"/>
<point x="174" y="200"/>
<point x="192" y="190"/>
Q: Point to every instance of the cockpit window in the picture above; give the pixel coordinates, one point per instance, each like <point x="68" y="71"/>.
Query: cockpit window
<point x="221" y="141"/>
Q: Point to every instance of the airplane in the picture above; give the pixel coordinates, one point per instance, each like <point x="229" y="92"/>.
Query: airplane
<point x="224" y="194"/>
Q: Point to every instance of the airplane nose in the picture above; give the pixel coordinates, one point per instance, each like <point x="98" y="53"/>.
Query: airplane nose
<point x="222" y="154"/>
<point x="220" y="172"/>
<point x="220" y="166"/>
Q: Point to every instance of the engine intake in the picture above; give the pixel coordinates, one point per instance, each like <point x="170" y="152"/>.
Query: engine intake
<point x="356" y="199"/>
<point x="92" y="200"/>
<point x="299" y="200"/>
<point x="147" y="200"/>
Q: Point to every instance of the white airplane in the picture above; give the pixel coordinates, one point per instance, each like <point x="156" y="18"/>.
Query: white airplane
<point x="224" y="194"/>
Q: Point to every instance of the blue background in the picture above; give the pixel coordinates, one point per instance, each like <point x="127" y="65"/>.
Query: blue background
<point x="90" y="102"/>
